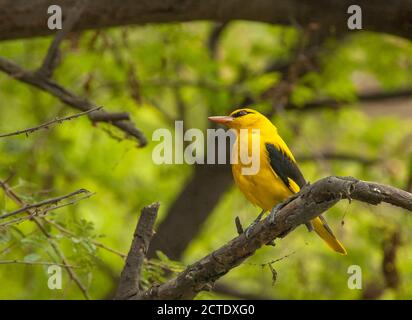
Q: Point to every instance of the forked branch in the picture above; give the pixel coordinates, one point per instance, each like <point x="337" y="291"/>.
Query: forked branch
<point x="309" y="203"/>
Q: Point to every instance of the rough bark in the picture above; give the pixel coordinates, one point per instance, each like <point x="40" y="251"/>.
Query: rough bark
<point x="130" y="277"/>
<point x="19" y="18"/>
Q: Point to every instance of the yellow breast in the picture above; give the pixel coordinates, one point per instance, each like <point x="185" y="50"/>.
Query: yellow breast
<point x="264" y="189"/>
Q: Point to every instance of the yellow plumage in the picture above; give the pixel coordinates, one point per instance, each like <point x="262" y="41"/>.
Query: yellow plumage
<point x="278" y="176"/>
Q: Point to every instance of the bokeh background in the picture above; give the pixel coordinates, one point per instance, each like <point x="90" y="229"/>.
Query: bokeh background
<point x="343" y="105"/>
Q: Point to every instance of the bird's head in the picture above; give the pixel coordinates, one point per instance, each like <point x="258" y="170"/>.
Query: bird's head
<point x="242" y="119"/>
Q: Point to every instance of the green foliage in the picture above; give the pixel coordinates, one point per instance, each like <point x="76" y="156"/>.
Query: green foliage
<point x="178" y="79"/>
<point x="159" y="270"/>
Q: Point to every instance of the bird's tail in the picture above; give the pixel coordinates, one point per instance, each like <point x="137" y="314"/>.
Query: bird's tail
<point x="323" y="230"/>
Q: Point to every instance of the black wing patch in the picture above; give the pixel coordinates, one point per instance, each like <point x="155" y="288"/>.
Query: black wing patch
<point x="284" y="167"/>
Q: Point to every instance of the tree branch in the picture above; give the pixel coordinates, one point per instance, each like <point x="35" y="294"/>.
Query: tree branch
<point x="309" y="203"/>
<point x="50" y="61"/>
<point x="214" y="38"/>
<point x="69" y="98"/>
<point x="40" y="263"/>
<point x="27" y="19"/>
<point x="48" y="124"/>
<point x="28" y="207"/>
<point x="130" y="278"/>
<point x="378" y="96"/>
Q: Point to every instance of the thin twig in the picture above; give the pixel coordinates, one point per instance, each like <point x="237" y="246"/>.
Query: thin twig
<point x="44" y="263"/>
<point x="62" y="257"/>
<point x="50" y="60"/>
<point x="15" y="242"/>
<point x="56" y="200"/>
<point x="96" y="243"/>
<point x="38" y="221"/>
<point x="214" y="38"/>
<point x="274" y="261"/>
<point x="45" y="211"/>
<point x="50" y="123"/>
<point x="69" y="98"/>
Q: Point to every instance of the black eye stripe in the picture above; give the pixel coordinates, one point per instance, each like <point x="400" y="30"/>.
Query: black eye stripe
<point x="240" y="113"/>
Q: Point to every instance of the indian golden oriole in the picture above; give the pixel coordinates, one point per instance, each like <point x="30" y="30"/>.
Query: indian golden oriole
<point x="278" y="177"/>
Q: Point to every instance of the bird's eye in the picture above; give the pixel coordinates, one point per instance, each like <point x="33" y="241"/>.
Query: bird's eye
<point x="240" y="114"/>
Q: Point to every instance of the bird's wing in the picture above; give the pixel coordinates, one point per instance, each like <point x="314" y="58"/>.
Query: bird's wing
<point x="285" y="167"/>
<point x="282" y="162"/>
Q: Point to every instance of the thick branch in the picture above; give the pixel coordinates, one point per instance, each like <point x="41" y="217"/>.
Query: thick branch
<point x="130" y="277"/>
<point x="27" y="19"/>
<point x="312" y="201"/>
<point x="45" y="84"/>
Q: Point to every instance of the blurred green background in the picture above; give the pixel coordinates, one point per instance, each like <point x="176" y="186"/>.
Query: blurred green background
<point x="163" y="73"/>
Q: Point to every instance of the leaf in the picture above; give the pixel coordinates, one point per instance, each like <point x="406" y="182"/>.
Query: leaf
<point x="75" y="240"/>
<point x="162" y="257"/>
<point x="32" y="257"/>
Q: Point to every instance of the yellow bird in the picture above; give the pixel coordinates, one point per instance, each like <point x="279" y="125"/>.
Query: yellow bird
<point x="278" y="177"/>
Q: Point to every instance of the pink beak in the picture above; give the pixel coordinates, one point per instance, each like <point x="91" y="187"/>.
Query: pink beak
<point x="221" y="119"/>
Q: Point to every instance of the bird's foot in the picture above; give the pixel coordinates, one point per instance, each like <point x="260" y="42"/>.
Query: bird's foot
<point x="272" y="217"/>
<point x="279" y="206"/>
<point x="274" y="212"/>
<point x="250" y="229"/>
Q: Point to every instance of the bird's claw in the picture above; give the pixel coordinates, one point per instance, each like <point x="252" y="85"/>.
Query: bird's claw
<point x="274" y="211"/>
<point x="250" y="229"/>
